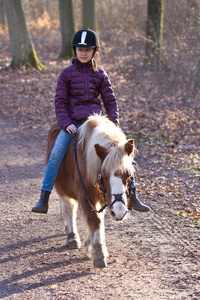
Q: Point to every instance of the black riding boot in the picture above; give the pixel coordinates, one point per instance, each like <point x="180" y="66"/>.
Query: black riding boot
<point x="135" y="203"/>
<point x="42" y="205"/>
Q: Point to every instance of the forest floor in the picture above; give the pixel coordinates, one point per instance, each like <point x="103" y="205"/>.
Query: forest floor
<point x="153" y="255"/>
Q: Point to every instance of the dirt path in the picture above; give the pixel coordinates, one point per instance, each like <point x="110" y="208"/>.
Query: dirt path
<point x="152" y="256"/>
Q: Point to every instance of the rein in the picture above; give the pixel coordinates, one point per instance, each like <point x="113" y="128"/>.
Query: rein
<point x="83" y="185"/>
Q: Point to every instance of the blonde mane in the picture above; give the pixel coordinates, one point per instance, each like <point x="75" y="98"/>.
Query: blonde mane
<point x="100" y="130"/>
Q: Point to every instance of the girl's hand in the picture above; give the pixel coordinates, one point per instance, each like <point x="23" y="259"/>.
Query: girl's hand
<point x="71" y="128"/>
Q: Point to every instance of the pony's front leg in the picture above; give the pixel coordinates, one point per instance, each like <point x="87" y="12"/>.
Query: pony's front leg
<point x="69" y="208"/>
<point x="95" y="244"/>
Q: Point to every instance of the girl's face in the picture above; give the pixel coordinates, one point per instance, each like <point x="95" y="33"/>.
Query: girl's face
<point x="84" y="55"/>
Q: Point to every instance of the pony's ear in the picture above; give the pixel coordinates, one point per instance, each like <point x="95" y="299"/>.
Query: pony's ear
<point x="100" y="151"/>
<point x="129" y="147"/>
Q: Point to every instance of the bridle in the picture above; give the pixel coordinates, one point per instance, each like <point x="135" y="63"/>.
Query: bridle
<point x="117" y="197"/>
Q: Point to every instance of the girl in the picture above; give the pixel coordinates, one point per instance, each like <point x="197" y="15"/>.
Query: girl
<point x="78" y="88"/>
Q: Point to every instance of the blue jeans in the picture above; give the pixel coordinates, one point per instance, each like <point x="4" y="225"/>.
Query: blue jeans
<point x="55" y="159"/>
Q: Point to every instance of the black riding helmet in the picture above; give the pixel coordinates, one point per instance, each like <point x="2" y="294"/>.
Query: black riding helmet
<point x="86" y="38"/>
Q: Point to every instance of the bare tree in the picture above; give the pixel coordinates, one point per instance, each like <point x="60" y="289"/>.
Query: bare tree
<point x="66" y="27"/>
<point x="23" y="52"/>
<point x="89" y="14"/>
<point x="154" y="32"/>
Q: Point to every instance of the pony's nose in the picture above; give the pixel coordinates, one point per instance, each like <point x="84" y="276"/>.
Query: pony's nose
<point x="118" y="218"/>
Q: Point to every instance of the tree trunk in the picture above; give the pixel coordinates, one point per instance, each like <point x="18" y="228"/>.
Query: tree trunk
<point x="2" y="16"/>
<point x="66" y="27"/>
<point x="89" y="14"/>
<point x="154" y="32"/>
<point x="23" y="52"/>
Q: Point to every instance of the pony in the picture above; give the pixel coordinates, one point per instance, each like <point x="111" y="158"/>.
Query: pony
<point x="102" y="168"/>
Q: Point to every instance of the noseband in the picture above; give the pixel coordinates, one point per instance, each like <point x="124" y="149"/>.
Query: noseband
<point x="117" y="197"/>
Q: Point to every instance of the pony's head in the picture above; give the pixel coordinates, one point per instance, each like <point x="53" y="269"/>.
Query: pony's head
<point x="116" y="173"/>
<point x="110" y="155"/>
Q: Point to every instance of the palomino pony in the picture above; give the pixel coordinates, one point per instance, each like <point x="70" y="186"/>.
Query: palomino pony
<point x="105" y="165"/>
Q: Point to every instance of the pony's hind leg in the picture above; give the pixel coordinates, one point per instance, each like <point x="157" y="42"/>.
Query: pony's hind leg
<point x="95" y="244"/>
<point x="69" y="208"/>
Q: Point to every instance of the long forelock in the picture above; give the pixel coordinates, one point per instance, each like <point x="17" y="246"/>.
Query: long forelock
<point x="117" y="159"/>
<point x="99" y="130"/>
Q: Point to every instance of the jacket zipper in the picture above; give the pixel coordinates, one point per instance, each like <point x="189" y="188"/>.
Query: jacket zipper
<point x="86" y="84"/>
<point x="86" y="90"/>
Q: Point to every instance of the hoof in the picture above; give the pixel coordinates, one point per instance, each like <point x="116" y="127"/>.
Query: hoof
<point x="100" y="263"/>
<point x="73" y="241"/>
<point x="39" y="210"/>
<point x="74" y="244"/>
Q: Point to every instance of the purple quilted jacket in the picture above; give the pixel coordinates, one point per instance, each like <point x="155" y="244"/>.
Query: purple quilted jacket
<point x="77" y="95"/>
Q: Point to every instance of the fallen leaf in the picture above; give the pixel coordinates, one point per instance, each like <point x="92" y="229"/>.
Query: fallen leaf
<point x="192" y="214"/>
<point x="53" y="286"/>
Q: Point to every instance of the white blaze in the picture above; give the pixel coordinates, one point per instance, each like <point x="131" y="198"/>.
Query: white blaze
<point x="117" y="187"/>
